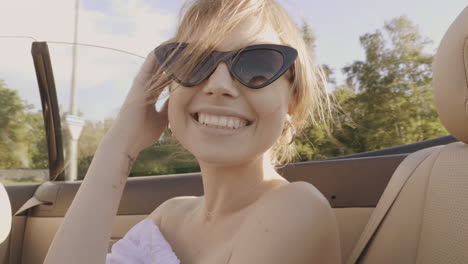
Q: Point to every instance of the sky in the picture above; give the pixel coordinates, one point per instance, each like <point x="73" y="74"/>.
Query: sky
<point x="137" y="26"/>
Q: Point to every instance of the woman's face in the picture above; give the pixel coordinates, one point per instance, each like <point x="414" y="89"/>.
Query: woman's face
<point x="220" y="97"/>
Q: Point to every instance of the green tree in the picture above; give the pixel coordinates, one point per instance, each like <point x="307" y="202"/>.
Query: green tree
<point x="167" y="156"/>
<point x="36" y="139"/>
<point x="308" y="35"/>
<point x="393" y="102"/>
<point x="318" y="141"/>
<point x="323" y="140"/>
<point x="91" y="135"/>
<point x="386" y="100"/>
<point x="13" y="132"/>
<point x="22" y="134"/>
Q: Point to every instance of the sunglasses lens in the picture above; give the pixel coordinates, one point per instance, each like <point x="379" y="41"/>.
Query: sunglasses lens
<point x="256" y="67"/>
<point x="168" y="55"/>
<point x="198" y="73"/>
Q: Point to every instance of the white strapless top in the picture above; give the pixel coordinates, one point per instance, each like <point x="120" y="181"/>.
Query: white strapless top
<point x="143" y="244"/>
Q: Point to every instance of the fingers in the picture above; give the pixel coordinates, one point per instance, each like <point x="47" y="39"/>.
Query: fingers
<point x="154" y="94"/>
<point x="161" y="117"/>
<point x="150" y="64"/>
<point x="147" y="69"/>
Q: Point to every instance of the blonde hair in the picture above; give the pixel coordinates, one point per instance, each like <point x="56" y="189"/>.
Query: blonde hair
<point x="211" y="20"/>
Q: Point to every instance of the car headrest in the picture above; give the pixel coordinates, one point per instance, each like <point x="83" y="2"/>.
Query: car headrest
<point x="450" y="78"/>
<point x="5" y="214"/>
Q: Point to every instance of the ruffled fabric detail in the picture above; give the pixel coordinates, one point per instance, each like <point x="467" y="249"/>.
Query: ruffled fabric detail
<point x="143" y="244"/>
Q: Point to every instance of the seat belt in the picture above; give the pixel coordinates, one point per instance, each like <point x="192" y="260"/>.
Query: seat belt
<point x="45" y="194"/>
<point x="393" y="189"/>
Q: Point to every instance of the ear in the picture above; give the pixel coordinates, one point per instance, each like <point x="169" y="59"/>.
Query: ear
<point x="170" y="87"/>
<point x="292" y="101"/>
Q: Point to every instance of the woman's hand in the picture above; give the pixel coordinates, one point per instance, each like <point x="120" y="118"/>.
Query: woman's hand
<point x="139" y="125"/>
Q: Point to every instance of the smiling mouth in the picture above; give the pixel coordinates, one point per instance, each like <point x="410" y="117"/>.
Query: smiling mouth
<point x="216" y="121"/>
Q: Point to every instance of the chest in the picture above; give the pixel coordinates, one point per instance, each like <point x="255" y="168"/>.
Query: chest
<point x="209" y="244"/>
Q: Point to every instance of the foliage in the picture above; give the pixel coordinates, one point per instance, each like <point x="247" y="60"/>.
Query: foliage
<point x="393" y="104"/>
<point x="37" y="141"/>
<point x="91" y="135"/>
<point x="308" y="35"/>
<point x="21" y="135"/>
<point x="167" y="156"/>
<point x="387" y="99"/>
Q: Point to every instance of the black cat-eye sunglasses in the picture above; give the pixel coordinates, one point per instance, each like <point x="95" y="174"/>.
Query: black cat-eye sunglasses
<point x="254" y="66"/>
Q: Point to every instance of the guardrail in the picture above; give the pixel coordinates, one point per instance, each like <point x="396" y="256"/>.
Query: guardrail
<point x="24" y="175"/>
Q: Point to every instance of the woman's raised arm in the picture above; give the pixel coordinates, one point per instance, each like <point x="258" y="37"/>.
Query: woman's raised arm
<point x="84" y="234"/>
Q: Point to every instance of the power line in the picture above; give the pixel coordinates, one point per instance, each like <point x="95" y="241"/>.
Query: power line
<point x="80" y="44"/>
<point x="97" y="46"/>
<point x="18" y="37"/>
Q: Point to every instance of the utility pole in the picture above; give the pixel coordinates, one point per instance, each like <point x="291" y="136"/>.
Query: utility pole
<point x="74" y="122"/>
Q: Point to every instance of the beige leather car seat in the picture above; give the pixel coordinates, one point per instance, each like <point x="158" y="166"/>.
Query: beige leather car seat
<point x="428" y="221"/>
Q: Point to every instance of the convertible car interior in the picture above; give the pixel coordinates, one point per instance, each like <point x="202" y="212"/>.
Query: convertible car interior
<point x="406" y="204"/>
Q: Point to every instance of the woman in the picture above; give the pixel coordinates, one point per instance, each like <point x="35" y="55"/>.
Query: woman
<point x="236" y="113"/>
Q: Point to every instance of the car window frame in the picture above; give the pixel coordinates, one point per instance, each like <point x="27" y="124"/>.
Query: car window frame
<point x="50" y="109"/>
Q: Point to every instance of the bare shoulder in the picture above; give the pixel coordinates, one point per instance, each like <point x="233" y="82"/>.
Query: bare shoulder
<point x="292" y="199"/>
<point x="293" y="223"/>
<point x="294" y="204"/>
<point x="172" y="207"/>
<point x="295" y="191"/>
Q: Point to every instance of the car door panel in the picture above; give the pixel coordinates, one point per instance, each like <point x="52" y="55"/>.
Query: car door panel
<point x="352" y="186"/>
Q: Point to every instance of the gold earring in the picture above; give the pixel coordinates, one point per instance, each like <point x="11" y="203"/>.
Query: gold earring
<point x="169" y="129"/>
<point x="289" y="125"/>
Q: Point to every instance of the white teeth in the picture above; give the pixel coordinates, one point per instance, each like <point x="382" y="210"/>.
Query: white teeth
<point x="230" y="123"/>
<point x="215" y="120"/>
<point x="201" y="119"/>
<point x="221" y="121"/>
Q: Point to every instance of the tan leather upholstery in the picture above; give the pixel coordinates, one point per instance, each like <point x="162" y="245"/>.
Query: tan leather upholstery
<point x="450" y="78"/>
<point x="428" y="223"/>
<point x="16" y="239"/>
<point x="444" y="230"/>
<point x="351" y="222"/>
<point x="43" y="229"/>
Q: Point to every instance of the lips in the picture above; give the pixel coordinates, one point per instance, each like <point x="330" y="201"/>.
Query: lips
<point x="220" y="121"/>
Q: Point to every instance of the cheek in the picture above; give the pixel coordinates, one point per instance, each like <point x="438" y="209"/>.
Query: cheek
<point x="179" y="99"/>
<point x="270" y="108"/>
<point x="271" y="104"/>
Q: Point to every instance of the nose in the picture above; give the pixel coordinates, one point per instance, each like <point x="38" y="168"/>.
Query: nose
<point x="221" y="83"/>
